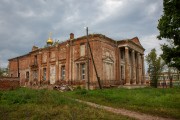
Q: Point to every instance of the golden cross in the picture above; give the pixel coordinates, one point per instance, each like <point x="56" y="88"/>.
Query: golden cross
<point x="50" y="34"/>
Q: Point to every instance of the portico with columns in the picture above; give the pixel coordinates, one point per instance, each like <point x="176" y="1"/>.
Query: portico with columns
<point x="131" y="62"/>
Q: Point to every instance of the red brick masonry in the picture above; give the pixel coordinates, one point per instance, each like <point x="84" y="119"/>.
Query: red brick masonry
<point x="118" y="62"/>
<point x="9" y="83"/>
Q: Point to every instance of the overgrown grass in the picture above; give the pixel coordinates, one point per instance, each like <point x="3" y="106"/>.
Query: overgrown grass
<point x="44" y="104"/>
<point x="160" y="102"/>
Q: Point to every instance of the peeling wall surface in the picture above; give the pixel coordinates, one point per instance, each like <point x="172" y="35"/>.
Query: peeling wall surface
<point x="117" y="63"/>
<point x="52" y="74"/>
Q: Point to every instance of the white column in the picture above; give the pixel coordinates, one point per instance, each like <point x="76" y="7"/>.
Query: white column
<point x="133" y="68"/>
<point x="127" y="79"/>
<point x="137" y="69"/>
<point x="140" y="69"/>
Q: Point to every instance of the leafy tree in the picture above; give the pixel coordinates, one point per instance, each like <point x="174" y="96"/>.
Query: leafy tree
<point x="155" y="67"/>
<point x="3" y="72"/>
<point x="169" y="27"/>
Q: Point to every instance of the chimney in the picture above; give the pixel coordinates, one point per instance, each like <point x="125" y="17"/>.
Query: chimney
<point x="71" y="36"/>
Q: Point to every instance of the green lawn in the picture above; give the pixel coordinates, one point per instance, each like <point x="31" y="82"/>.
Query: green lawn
<point x="161" y="102"/>
<point x="30" y="104"/>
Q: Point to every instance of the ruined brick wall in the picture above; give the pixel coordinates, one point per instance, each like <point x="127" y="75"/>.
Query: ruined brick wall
<point x="74" y="56"/>
<point x="71" y="55"/>
<point x="101" y="49"/>
<point x="68" y="54"/>
<point x="24" y="64"/>
<point x="105" y="56"/>
<point x="9" y="83"/>
<point x="96" y="47"/>
<point x="13" y="68"/>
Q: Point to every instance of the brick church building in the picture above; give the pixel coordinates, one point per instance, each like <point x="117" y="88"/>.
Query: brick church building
<point x="117" y="62"/>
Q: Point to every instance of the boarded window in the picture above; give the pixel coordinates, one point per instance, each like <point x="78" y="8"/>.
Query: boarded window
<point x="27" y="75"/>
<point x="108" y="71"/>
<point x="35" y="59"/>
<point x="52" y="56"/>
<point x="52" y="74"/>
<point x="77" y="74"/>
<point x="122" y="54"/>
<point x="35" y="74"/>
<point x="44" y="73"/>
<point x="82" y="50"/>
<point x="44" y="58"/>
<point x="122" y="72"/>
<point x="63" y="72"/>
<point x="82" y="71"/>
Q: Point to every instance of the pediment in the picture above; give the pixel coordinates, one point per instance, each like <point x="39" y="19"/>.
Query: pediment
<point x="82" y="58"/>
<point x="108" y="59"/>
<point x="136" y="41"/>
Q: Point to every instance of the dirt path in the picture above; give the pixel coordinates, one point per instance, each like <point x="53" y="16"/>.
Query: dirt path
<point x="132" y="114"/>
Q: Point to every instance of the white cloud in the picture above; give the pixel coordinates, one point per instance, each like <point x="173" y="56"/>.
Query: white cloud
<point x="5" y="53"/>
<point x="28" y="22"/>
<point x="108" y="9"/>
<point x="150" y="42"/>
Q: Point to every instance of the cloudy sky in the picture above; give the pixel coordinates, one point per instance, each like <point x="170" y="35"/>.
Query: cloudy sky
<point x="24" y="23"/>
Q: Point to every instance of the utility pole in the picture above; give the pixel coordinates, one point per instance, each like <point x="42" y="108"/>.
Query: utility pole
<point x="98" y="78"/>
<point x="87" y="50"/>
<point x="18" y="67"/>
